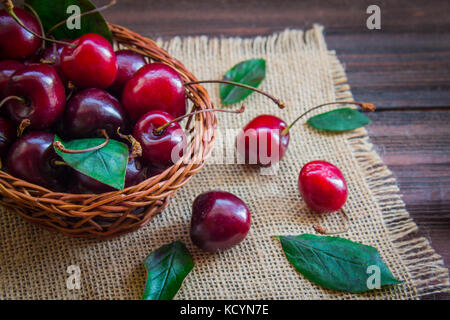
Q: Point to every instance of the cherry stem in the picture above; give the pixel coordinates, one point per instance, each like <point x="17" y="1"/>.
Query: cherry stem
<point x="319" y="229"/>
<point x="12" y="98"/>
<point x="9" y="7"/>
<point x="22" y="126"/>
<point x="136" y="148"/>
<point x="38" y="19"/>
<point x="164" y="126"/>
<point x="58" y="145"/>
<point x="59" y="24"/>
<point x="363" y="105"/>
<point x="280" y="104"/>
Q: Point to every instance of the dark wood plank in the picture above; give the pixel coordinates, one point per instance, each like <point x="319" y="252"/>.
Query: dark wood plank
<point x="416" y="147"/>
<point x="254" y="17"/>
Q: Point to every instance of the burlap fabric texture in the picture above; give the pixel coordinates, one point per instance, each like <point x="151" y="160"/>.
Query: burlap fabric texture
<point x="304" y="73"/>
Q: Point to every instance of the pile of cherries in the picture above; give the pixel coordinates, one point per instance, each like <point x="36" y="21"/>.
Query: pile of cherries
<point x="75" y="89"/>
<point x="78" y="89"/>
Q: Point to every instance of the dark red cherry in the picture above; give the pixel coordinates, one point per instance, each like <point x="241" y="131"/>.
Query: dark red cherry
<point x="52" y="55"/>
<point x="322" y="186"/>
<point x="160" y="149"/>
<point x="32" y="158"/>
<point x="43" y="93"/>
<point x="128" y="62"/>
<point x="135" y="174"/>
<point x="16" y="42"/>
<point x="220" y="220"/>
<point x="154" y="171"/>
<point x="155" y="86"/>
<point x="261" y="141"/>
<point x="7" y="135"/>
<point x="91" y="64"/>
<point x="7" y="68"/>
<point x="90" y="110"/>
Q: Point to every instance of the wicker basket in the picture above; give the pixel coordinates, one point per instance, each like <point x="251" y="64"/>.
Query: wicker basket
<point x="110" y="214"/>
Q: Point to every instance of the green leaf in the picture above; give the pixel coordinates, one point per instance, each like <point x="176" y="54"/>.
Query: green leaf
<point x="339" y="120"/>
<point x="108" y="164"/>
<point x="334" y="262"/>
<point x="166" y="269"/>
<point x="52" y="12"/>
<point x="251" y="72"/>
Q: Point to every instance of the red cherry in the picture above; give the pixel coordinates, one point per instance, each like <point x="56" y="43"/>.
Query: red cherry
<point x="90" y="110"/>
<point x="128" y="62"/>
<point x="154" y="171"/>
<point x="7" y="135"/>
<point x="43" y="92"/>
<point x="136" y="173"/>
<point x="323" y="186"/>
<point x="261" y="141"/>
<point x="7" y="68"/>
<point x="155" y="86"/>
<point x="16" y="42"/>
<point x="91" y="64"/>
<point x="160" y="149"/>
<point x="220" y="220"/>
<point x="32" y="157"/>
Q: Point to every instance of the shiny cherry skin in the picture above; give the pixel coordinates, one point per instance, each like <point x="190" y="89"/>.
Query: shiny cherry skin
<point x="91" y="64"/>
<point x="220" y="220"/>
<point x="43" y="92"/>
<point x="90" y="110"/>
<point x="135" y="174"/>
<point x="155" y="86"/>
<point x="32" y="157"/>
<point x="160" y="149"/>
<point x="15" y="42"/>
<point x="52" y="55"/>
<point x="7" y="68"/>
<point x="322" y="186"/>
<point x="264" y="130"/>
<point x="128" y="63"/>
<point x="7" y="135"/>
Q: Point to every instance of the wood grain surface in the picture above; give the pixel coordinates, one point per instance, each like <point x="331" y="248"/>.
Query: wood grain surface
<point x="404" y="69"/>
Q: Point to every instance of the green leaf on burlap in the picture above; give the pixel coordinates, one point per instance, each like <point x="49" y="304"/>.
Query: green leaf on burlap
<point x="167" y="267"/>
<point x="336" y="263"/>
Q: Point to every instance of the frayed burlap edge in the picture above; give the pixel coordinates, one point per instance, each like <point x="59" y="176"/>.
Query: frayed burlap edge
<point x="425" y="266"/>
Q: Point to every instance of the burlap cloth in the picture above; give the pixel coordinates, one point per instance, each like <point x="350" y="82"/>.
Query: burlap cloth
<point x="303" y="72"/>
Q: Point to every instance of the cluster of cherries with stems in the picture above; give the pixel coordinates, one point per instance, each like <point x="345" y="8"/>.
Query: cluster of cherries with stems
<point x="33" y="87"/>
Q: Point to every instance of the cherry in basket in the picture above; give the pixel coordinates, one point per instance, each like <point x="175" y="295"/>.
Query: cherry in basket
<point x="33" y="159"/>
<point x="155" y="86"/>
<point x="15" y="42"/>
<point x="36" y="94"/>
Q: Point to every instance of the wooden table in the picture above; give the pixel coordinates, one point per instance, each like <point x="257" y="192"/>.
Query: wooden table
<point x="404" y="69"/>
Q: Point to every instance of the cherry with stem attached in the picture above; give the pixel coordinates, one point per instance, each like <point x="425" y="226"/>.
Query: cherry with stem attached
<point x="9" y="8"/>
<point x="272" y="134"/>
<point x="88" y="61"/>
<point x="161" y="137"/>
<point x="35" y="93"/>
<point x="18" y="41"/>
